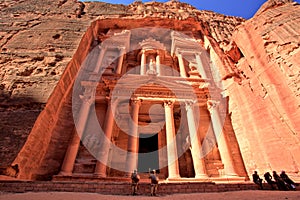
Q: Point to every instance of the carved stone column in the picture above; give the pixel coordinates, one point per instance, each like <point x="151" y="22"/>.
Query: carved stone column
<point x="121" y="58"/>
<point x="223" y="146"/>
<point x="131" y="160"/>
<point x="100" y="59"/>
<point x="198" y="160"/>
<point x="158" y="64"/>
<point x="181" y="66"/>
<point x="200" y="67"/>
<point x="143" y="62"/>
<point x="100" y="170"/>
<point x="71" y="154"/>
<point x="173" y="167"/>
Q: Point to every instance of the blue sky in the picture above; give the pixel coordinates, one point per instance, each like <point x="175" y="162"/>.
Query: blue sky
<point x="240" y="8"/>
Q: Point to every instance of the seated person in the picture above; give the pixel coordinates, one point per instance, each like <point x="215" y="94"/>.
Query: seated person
<point x="290" y="184"/>
<point x="279" y="181"/>
<point x="268" y="178"/>
<point x="257" y="180"/>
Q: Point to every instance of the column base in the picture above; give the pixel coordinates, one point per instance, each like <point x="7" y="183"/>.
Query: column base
<point x="62" y="173"/>
<point x="201" y="176"/>
<point x="174" y="178"/>
<point x="100" y="175"/>
<point x="184" y="179"/>
<point x="229" y="175"/>
<point x="228" y="179"/>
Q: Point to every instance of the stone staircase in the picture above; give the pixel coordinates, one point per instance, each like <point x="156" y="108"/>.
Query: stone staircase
<point x="120" y="187"/>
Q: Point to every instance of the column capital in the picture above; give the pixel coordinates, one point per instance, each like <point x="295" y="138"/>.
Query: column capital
<point x="121" y="48"/>
<point x="108" y="98"/>
<point x="198" y="54"/>
<point x="112" y="101"/>
<point x="169" y="103"/>
<point x="178" y="52"/>
<point x="190" y="102"/>
<point x="87" y="99"/>
<point x="212" y="104"/>
<point x="102" y="47"/>
<point x="135" y="101"/>
<point x="88" y="95"/>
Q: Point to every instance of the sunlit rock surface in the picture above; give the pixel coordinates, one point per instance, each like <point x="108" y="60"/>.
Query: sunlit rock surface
<point x="258" y="62"/>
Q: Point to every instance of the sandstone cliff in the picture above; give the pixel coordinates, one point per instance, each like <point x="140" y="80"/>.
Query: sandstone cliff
<point x="265" y="106"/>
<point x="257" y="60"/>
<point x="38" y="40"/>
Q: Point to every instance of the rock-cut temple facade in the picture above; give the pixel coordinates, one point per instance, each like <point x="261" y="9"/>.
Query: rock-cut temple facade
<point x="194" y="95"/>
<point x="157" y="107"/>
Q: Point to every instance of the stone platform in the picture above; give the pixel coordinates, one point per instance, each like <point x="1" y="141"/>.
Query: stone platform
<point x="144" y="179"/>
<point x="120" y="187"/>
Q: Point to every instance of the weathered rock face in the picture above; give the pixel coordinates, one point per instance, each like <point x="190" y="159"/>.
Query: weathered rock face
<point x="258" y="68"/>
<point x="265" y="106"/>
<point x="38" y="40"/>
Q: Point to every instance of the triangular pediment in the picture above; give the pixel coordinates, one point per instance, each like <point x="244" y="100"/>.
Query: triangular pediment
<point x="135" y="81"/>
<point x="151" y="43"/>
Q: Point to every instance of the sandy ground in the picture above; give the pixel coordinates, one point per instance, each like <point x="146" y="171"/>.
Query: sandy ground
<point x="257" y="194"/>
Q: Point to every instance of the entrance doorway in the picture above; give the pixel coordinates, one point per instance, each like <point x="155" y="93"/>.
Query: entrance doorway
<point x="148" y="154"/>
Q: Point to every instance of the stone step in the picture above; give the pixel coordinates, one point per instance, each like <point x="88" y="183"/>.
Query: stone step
<point x="121" y="186"/>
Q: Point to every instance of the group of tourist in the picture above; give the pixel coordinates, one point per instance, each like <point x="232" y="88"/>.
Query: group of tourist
<point x="282" y="181"/>
<point x="135" y="178"/>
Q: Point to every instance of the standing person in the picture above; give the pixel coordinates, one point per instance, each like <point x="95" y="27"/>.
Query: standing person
<point x="268" y="178"/>
<point x="279" y="181"/>
<point x="291" y="184"/>
<point x="154" y="182"/>
<point x="257" y="180"/>
<point x="135" y="178"/>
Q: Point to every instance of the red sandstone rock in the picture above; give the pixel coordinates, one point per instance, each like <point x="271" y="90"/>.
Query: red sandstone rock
<point x="268" y="42"/>
<point x="258" y="66"/>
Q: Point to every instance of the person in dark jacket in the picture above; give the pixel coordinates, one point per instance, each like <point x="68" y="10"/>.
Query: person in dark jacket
<point x="279" y="181"/>
<point x="257" y="180"/>
<point x="268" y="178"/>
<point x="290" y="184"/>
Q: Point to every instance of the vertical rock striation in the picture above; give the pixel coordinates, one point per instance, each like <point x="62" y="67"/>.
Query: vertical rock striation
<point x="265" y="104"/>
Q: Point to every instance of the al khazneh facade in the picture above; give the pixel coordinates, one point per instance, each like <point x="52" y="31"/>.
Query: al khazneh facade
<point x="150" y="102"/>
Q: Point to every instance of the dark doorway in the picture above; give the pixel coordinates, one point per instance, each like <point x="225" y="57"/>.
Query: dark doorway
<point x="148" y="154"/>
